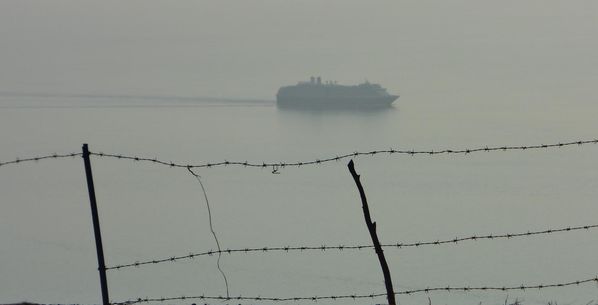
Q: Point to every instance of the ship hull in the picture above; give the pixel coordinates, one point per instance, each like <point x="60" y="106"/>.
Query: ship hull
<point x="336" y="102"/>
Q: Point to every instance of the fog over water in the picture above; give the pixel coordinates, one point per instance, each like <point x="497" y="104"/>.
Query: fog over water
<point x="195" y="82"/>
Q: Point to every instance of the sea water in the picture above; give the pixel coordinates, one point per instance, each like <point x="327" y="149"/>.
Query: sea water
<point x="150" y="211"/>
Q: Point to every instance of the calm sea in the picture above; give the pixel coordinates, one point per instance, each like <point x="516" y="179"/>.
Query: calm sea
<point x="149" y="211"/>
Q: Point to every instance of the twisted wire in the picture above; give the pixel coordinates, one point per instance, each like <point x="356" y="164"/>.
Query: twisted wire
<point x="35" y="159"/>
<point x="522" y="287"/>
<point x="60" y="303"/>
<point x="198" y="178"/>
<point x="455" y="240"/>
<point x="277" y="165"/>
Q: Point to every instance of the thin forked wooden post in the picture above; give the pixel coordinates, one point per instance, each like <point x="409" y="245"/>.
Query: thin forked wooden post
<point x="390" y="294"/>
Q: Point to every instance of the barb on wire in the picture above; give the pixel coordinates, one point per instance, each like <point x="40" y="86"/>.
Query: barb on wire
<point x="281" y="165"/>
<point x="522" y="287"/>
<point x="35" y="159"/>
<point x="211" y="228"/>
<point x="353" y="247"/>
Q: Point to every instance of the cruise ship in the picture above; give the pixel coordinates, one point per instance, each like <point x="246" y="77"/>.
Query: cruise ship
<point x="315" y="93"/>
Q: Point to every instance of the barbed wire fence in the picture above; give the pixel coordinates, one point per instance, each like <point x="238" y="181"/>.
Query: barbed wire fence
<point x="398" y="245"/>
<point x="282" y="164"/>
<point x="286" y="249"/>
<point x="40" y="158"/>
<point x="428" y="290"/>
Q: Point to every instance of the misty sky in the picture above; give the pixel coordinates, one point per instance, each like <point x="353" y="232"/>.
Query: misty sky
<point x="247" y="49"/>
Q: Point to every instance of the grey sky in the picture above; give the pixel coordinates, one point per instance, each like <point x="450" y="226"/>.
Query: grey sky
<point x="250" y="48"/>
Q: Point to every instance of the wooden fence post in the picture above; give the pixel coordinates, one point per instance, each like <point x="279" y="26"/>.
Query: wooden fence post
<point x="96" y="226"/>
<point x="390" y="294"/>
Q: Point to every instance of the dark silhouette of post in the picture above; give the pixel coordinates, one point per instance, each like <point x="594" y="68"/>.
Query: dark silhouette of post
<point x="390" y="294"/>
<point x="96" y="226"/>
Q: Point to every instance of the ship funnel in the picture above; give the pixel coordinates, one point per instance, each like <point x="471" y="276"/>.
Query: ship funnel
<point x="319" y="80"/>
<point x="312" y="79"/>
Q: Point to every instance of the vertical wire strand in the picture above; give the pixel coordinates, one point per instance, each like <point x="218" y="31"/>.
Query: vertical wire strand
<point x="211" y="228"/>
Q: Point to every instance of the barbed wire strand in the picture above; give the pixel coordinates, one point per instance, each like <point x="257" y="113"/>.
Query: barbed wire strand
<point x="35" y="159"/>
<point x="57" y="303"/>
<point x="211" y="228"/>
<point x="279" y="165"/>
<point x="522" y="287"/>
<point x="455" y="240"/>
